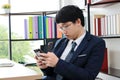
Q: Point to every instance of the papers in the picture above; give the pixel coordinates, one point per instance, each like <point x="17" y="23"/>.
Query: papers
<point x="6" y="64"/>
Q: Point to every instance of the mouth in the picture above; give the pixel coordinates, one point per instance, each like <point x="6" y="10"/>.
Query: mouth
<point x="69" y="37"/>
<point x="66" y="35"/>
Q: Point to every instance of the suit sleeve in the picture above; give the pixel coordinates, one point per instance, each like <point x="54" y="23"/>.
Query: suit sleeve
<point x="50" y="71"/>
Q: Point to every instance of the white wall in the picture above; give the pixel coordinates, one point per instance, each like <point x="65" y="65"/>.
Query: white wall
<point x="79" y="3"/>
<point x="113" y="46"/>
<point x="34" y="5"/>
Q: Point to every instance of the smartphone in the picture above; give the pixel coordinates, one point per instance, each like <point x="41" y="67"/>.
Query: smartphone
<point x="38" y="51"/>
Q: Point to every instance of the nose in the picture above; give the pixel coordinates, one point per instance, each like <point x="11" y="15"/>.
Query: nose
<point x="64" y="32"/>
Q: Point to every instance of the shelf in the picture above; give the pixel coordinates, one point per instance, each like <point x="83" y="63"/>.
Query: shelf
<point x="111" y="36"/>
<point x="31" y="13"/>
<point x="104" y="4"/>
<point x="25" y="39"/>
<point x="35" y="13"/>
<point x="32" y="39"/>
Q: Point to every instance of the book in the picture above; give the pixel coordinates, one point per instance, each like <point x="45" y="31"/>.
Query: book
<point x="53" y="28"/>
<point x="88" y="1"/>
<point x="3" y="64"/>
<point x="47" y="27"/>
<point x="40" y="27"/>
<point x="44" y="26"/>
<point x="104" y="67"/>
<point x="98" y="27"/>
<point x="26" y="29"/>
<point x="35" y="27"/>
<point x="50" y="27"/>
<point x="118" y="23"/>
<point x="30" y="27"/>
<point x="106" y="25"/>
<point x="99" y="24"/>
<point x="103" y="26"/>
<point x="95" y="27"/>
<point x="109" y="24"/>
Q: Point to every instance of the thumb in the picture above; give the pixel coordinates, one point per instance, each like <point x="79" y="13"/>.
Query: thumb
<point x="36" y="57"/>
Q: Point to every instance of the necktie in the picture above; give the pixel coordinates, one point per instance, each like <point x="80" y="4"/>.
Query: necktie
<point x="68" y="58"/>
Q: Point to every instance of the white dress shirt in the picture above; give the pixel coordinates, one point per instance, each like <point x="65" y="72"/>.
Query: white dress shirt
<point x="69" y="46"/>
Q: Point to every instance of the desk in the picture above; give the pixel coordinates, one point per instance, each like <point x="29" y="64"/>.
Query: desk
<point x="104" y="76"/>
<point x="17" y="72"/>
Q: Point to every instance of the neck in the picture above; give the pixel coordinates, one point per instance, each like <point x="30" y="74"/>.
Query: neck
<point x="80" y="32"/>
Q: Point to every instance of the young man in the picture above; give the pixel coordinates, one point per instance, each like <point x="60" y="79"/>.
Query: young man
<point x="87" y="56"/>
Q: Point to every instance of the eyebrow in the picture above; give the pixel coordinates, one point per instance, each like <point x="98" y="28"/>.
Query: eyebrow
<point x="67" y="24"/>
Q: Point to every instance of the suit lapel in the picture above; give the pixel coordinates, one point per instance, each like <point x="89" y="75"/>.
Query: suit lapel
<point x="82" y="46"/>
<point x="62" y="47"/>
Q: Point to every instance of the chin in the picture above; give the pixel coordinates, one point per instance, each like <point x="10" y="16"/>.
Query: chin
<point x="70" y="38"/>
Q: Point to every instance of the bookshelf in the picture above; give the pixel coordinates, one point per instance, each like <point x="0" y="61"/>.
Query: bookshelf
<point x="11" y="23"/>
<point x="107" y="7"/>
<point x="106" y="3"/>
<point x="43" y="13"/>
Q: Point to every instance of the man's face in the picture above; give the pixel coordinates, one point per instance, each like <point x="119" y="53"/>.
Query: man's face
<point x="69" y="29"/>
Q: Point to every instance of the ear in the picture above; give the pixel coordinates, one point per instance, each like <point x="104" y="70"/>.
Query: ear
<point x="78" y="21"/>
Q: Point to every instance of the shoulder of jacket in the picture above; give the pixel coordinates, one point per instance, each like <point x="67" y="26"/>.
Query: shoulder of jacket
<point x="59" y="41"/>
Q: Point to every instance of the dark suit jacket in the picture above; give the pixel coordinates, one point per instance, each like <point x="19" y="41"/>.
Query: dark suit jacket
<point x="85" y="63"/>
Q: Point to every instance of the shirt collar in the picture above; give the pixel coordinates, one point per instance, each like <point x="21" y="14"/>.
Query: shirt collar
<point x="78" y="40"/>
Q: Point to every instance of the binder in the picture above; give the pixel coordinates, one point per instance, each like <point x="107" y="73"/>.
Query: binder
<point x="30" y="27"/>
<point x="26" y="29"/>
<point x="40" y="27"/>
<point x="35" y="27"/>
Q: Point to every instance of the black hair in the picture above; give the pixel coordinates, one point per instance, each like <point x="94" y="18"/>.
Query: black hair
<point x="69" y="13"/>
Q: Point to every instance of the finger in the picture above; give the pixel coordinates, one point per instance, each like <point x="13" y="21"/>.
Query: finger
<point x="39" y="64"/>
<point x="43" y="55"/>
<point x="47" y="65"/>
<point x="42" y="58"/>
<point x="44" y="62"/>
<point x="39" y="61"/>
<point x="36" y="57"/>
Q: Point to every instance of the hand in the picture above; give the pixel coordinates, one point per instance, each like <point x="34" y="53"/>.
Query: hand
<point x="50" y="59"/>
<point x="40" y="63"/>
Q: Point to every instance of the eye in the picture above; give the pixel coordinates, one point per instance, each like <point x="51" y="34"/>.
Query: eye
<point x="65" y="26"/>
